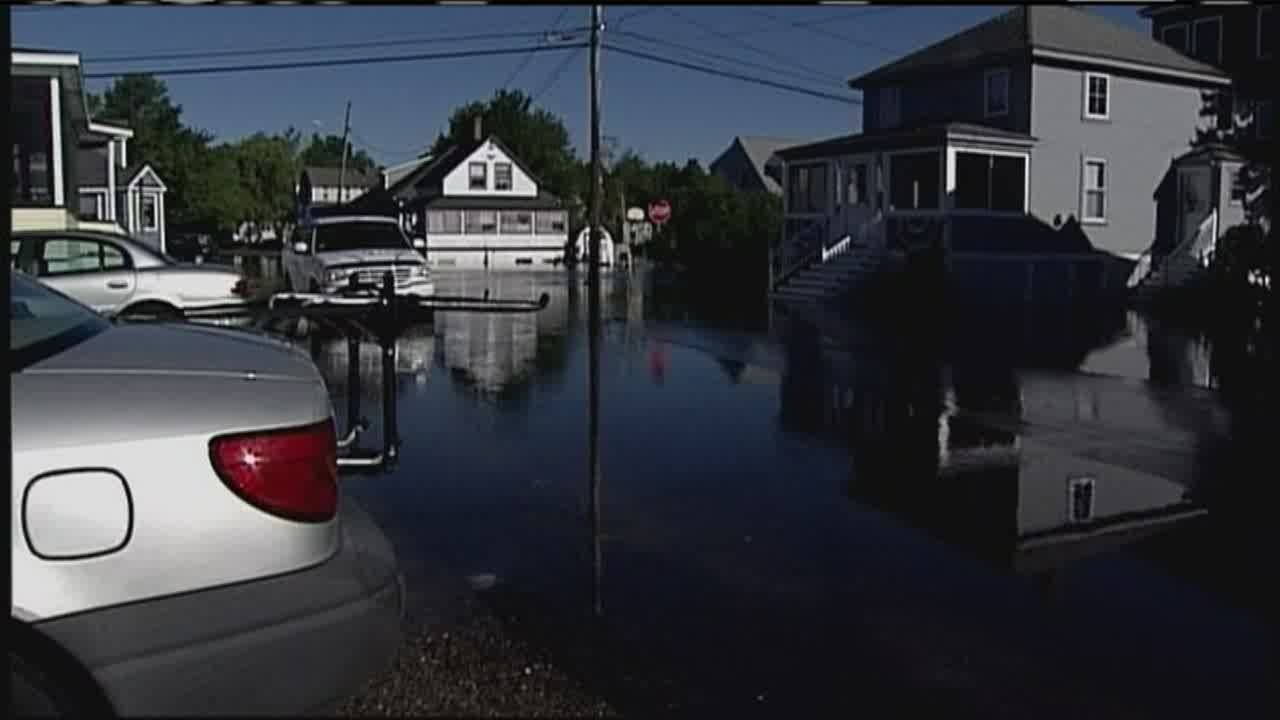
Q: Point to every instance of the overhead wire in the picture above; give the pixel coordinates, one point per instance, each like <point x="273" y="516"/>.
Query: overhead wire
<point x="760" y="51"/>
<point x="327" y="47"/>
<point x="555" y="74"/>
<point x="305" y="64"/>
<point x="848" y="100"/>
<point x="816" y="28"/>
<point x="726" y="58"/>
<point x="555" y="24"/>
<point x="829" y="19"/>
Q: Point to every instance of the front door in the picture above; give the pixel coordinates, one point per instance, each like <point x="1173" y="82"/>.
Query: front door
<point x="857" y="195"/>
<point x="1195" y="188"/>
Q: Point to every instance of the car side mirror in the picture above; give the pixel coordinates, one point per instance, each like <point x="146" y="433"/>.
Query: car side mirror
<point x="301" y="248"/>
<point x="419" y="243"/>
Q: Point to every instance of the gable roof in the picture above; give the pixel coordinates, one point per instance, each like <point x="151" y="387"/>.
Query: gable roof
<point x="1045" y="29"/>
<point x="332" y="177"/>
<point x="136" y="171"/>
<point x="758" y="149"/>
<point x="426" y="181"/>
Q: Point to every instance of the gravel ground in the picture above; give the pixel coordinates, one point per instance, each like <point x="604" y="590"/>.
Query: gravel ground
<point x="471" y="667"/>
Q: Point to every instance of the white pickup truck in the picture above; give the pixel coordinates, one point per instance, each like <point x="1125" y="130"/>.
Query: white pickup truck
<point x="324" y="253"/>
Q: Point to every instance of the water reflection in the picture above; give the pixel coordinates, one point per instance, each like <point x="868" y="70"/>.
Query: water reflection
<point x="414" y="355"/>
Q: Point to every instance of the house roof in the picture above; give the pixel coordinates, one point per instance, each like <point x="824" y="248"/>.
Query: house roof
<point x="902" y="137"/>
<point x="332" y="177"/>
<point x="758" y="149"/>
<point x="132" y="172"/>
<point x="1055" y="28"/>
<point x="425" y="184"/>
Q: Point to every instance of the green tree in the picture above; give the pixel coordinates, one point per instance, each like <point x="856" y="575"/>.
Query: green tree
<point x="536" y="136"/>
<point x="326" y="151"/>
<point x="267" y="171"/>
<point x="142" y="103"/>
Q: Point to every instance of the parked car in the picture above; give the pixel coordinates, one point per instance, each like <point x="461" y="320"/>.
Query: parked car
<point x="179" y="543"/>
<point x="117" y="275"/>
<point x="324" y="254"/>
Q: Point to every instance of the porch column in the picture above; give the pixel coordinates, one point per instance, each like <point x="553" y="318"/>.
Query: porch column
<point x="111" y="181"/>
<point x="56" y="149"/>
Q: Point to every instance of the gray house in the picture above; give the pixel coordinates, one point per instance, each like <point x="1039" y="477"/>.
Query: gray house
<point x="751" y="163"/>
<point x="115" y="193"/>
<point x="1047" y="129"/>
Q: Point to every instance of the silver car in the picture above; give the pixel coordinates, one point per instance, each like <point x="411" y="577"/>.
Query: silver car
<point x="117" y="275"/>
<point x="178" y="540"/>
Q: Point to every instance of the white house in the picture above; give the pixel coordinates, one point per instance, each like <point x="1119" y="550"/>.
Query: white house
<point x="47" y="114"/>
<point x="479" y="207"/>
<point x="328" y="186"/>
<point x="114" y="193"/>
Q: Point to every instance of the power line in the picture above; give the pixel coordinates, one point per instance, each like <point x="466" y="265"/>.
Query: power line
<point x="728" y="58"/>
<point x="525" y="63"/>
<point x="635" y="14"/>
<point x="385" y="151"/>
<point x="418" y="40"/>
<point x="772" y="56"/>
<point x="816" y="28"/>
<point x="299" y="65"/>
<point x="829" y="19"/>
<point x="735" y="76"/>
<point x="556" y="73"/>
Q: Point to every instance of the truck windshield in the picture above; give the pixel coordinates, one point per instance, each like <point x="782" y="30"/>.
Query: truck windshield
<point x="360" y="236"/>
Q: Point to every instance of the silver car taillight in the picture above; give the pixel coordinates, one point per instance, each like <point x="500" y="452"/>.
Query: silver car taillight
<point x="290" y="473"/>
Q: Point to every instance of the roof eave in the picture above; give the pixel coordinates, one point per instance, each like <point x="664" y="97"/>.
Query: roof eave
<point x="1209" y="76"/>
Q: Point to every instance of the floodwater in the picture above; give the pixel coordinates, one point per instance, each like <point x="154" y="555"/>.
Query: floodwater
<point x="1015" y="518"/>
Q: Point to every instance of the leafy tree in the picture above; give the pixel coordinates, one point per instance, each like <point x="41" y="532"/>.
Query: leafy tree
<point x="326" y="151"/>
<point x="218" y="197"/>
<point x="267" y="172"/>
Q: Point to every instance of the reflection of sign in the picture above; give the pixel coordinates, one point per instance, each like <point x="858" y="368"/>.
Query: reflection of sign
<point x="635" y="214"/>
<point x="1080" y="499"/>
<point x="659" y="211"/>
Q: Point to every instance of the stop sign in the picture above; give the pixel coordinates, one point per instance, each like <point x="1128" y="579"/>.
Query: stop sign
<point x="659" y="212"/>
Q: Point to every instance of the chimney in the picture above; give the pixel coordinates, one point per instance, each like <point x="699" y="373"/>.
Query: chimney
<point x="476" y="125"/>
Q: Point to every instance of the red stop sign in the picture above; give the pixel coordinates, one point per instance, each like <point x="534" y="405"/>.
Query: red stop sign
<point x="659" y="211"/>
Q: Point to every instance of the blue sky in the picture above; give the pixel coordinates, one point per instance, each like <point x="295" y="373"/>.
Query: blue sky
<point x="665" y="113"/>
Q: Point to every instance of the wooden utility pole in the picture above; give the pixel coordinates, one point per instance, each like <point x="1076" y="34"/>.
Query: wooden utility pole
<point x="593" y="314"/>
<point x="342" y="174"/>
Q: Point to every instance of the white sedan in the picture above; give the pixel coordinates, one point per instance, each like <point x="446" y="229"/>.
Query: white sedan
<point x="117" y="275"/>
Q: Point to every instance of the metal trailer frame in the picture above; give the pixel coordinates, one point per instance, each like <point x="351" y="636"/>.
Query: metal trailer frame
<point x="368" y="309"/>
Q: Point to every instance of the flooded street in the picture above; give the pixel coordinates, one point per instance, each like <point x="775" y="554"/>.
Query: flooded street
<point x="821" y="519"/>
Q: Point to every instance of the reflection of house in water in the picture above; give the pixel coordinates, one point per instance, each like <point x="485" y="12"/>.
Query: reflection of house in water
<point x="415" y="349"/>
<point x="497" y="350"/>
<point x="1070" y="467"/>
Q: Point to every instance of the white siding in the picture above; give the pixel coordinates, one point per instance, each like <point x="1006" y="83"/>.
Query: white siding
<point x="457" y="182"/>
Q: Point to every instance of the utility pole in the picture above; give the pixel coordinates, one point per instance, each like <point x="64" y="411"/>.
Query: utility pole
<point x="593" y="315"/>
<point x="342" y="174"/>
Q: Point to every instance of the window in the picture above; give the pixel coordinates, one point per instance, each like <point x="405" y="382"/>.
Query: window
<point x="1093" y="204"/>
<point x="808" y="189"/>
<point x="150" y="211"/>
<point x="996" y="93"/>
<point x="444" y="222"/>
<point x="32" y="127"/>
<point x="90" y="206"/>
<point x="1263" y="119"/>
<point x="502" y="176"/>
<point x="551" y="222"/>
<point x="914" y="181"/>
<point x="359" y="235"/>
<point x="1175" y="36"/>
<point x="1206" y="37"/>
<point x="517" y="222"/>
<point x="480" y="222"/>
<point x="113" y="258"/>
<point x="890" y="107"/>
<point x="66" y="257"/>
<point x="477" y="172"/>
<point x="990" y="182"/>
<point x="856" y="189"/>
<point x="1266" y="32"/>
<point x="1097" y="96"/>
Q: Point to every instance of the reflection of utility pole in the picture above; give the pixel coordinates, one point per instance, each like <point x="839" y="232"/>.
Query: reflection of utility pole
<point x="342" y="174"/>
<point x="593" y="315"/>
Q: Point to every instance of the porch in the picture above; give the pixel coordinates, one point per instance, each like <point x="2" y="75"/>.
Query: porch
<point x="876" y="196"/>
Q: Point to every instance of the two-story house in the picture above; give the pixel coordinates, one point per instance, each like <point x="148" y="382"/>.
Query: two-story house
<point x="47" y="115"/>
<point x="115" y="195"/>
<point x="478" y="206"/>
<point x="1045" y="129"/>
<point x="329" y="186"/>
<point x="751" y="163"/>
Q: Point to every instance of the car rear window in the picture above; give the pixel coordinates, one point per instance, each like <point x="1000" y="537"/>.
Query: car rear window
<point x="43" y="322"/>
